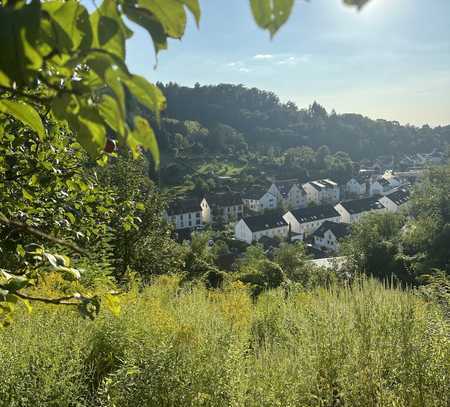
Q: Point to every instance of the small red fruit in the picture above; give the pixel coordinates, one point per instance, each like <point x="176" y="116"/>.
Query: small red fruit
<point x="110" y="146"/>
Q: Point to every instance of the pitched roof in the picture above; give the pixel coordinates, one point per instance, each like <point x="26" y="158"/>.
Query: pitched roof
<point x="384" y="182"/>
<point x="399" y="197"/>
<point x="254" y="193"/>
<point x="362" y="205"/>
<point x="329" y="183"/>
<point x="224" y="199"/>
<point x="321" y="184"/>
<point x="285" y="186"/>
<point x="265" y="221"/>
<point x="361" y="179"/>
<point x="339" y="230"/>
<point x="304" y="215"/>
<point x="183" y="206"/>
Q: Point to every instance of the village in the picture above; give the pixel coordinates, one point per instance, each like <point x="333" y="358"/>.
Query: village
<point x="319" y="212"/>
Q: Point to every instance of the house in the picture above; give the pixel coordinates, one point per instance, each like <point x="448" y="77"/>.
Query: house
<point x="305" y="221"/>
<point x="329" y="234"/>
<point x="352" y="211"/>
<point x="253" y="228"/>
<point x="322" y="191"/>
<point x="257" y="200"/>
<point x="223" y="207"/>
<point x="387" y="186"/>
<point x="355" y="187"/>
<point x="392" y="179"/>
<point x="396" y="200"/>
<point x="290" y="193"/>
<point x="185" y="214"/>
<point x="375" y="187"/>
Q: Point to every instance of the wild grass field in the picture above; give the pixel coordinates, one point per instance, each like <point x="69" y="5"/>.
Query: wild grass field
<point x="367" y="345"/>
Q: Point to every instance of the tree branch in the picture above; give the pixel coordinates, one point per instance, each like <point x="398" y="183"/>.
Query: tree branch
<point x="56" y="301"/>
<point x="32" y="231"/>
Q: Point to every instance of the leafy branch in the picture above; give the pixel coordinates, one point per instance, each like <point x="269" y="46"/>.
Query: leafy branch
<point x="35" y="232"/>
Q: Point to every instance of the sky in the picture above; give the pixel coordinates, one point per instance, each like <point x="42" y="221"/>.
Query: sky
<point x="391" y="60"/>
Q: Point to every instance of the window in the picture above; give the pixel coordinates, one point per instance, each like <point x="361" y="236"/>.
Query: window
<point x="197" y="215"/>
<point x="198" y="222"/>
<point x="189" y="216"/>
<point x="190" y="223"/>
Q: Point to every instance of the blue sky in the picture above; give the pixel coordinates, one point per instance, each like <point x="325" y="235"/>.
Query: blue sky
<point x="391" y="60"/>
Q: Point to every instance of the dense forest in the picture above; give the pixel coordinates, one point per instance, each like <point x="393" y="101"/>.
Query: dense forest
<point x="258" y="118"/>
<point x="232" y="136"/>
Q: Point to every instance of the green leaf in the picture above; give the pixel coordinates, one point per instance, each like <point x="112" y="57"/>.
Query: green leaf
<point x="110" y="111"/>
<point x="146" y="93"/>
<point x="24" y="113"/>
<point x="70" y="26"/>
<point x="194" y="8"/>
<point x="140" y="206"/>
<point x="169" y="13"/>
<point x="12" y="282"/>
<point x="71" y="217"/>
<point x="271" y="14"/>
<point x="20" y="250"/>
<point x="143" y="135"/>
<point x="109" y="31"/>
<point x="149" y="22"/>
<point x="19" y="32"/>
<point x="27" y="195"/>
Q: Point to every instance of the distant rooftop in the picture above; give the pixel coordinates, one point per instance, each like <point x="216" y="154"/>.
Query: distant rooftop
<point x="339" y="230"/>
<point x="305" y="215"/>
<point x="183" y="206"/>
<point x="224" y="199"/>
<point x="399" y="197"/>
<point x="265" y="221"/>
<point x="362" y="205"/>
<point x="284" y="186"/>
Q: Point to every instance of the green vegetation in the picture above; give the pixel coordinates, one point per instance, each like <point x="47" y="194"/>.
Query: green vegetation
<point x="362" y="346"/>
<point x="167" y="324"/>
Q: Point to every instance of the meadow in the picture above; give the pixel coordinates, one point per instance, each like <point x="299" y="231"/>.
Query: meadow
<point x="365" y="345"/>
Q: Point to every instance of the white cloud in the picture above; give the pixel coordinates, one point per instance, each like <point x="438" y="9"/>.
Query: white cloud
<point x="238" y="66"/>
<point x="294" y="60"/>
<point x="263" y="56"/>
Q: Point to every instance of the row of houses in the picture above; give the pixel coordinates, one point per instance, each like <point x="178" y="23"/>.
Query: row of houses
<point x="291" y="194"/>
<point x="228" y="207"/>
<point x="326" y="224"/>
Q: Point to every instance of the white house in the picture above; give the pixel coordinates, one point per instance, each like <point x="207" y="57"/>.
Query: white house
<point x="305" y="221"/>
<point x="375" y="187"/>
<point x="253" y="228"/>
<point x="355" y="187"/>
<point x="258" y="200"/>
<point x="224" y="207"/>
<point x="185" y="214"/>
<point x="329" y="234"/>
<point x="396" y="200"/>
<point x="352" y="211"/>
<point x="322" y="191"/>
<point x="290" y="193"/>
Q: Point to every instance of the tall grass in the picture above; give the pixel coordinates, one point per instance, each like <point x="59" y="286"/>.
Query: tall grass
<point x="360" y="346"/>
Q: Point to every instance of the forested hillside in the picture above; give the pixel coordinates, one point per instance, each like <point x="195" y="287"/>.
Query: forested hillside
<point x="259" y="119"/>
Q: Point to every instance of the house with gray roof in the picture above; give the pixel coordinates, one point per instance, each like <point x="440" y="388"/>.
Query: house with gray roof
<point x="330" y="234"/>
<point x="252" y="228"/>
<point x="305" y="221"/>
<point x="396" y="200"/>
<point x="352" y="211"/>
